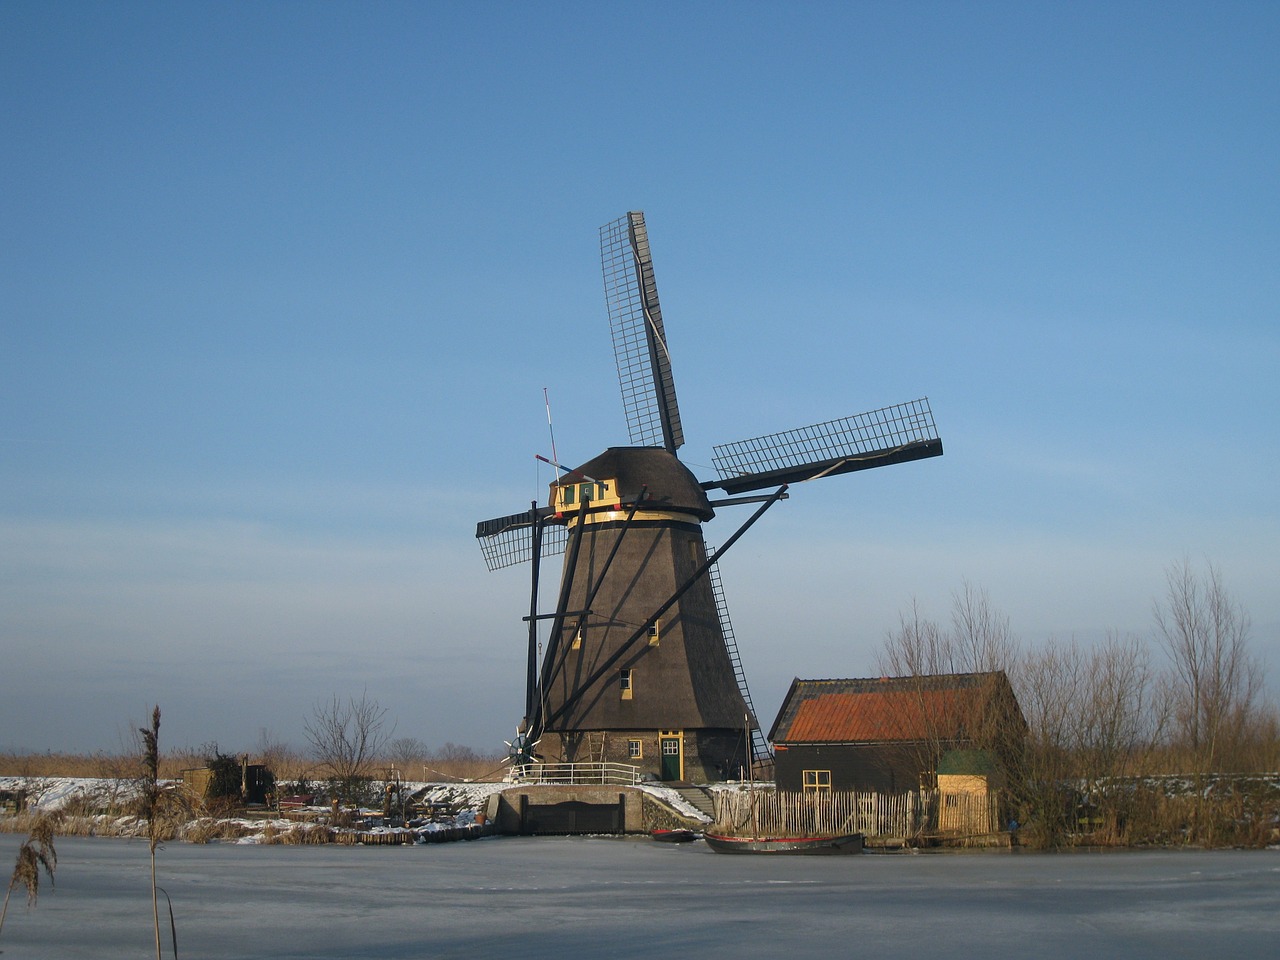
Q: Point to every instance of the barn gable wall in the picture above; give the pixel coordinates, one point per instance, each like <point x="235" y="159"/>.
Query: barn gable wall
<point x="865" y="767"/>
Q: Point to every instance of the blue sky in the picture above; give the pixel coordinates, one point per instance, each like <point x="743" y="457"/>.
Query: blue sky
<point x="282" y="285"/>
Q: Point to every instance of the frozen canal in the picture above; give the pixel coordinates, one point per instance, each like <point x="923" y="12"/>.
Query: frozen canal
<point x="577" y="898"/>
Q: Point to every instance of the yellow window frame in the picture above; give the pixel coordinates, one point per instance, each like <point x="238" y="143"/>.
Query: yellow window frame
<point x="816" y="781"/>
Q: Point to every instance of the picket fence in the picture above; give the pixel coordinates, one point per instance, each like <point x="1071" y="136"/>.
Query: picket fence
<point x="888" y="817"/>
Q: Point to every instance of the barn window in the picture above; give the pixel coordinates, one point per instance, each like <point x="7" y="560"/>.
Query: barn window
<point x="624" y="683"/>
<point x="635" y="749"/>
<point x="817" y="781"/>
<point x="653" y="634"/>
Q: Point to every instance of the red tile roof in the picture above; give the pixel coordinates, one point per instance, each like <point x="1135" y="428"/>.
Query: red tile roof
<point x="892" y="715"/>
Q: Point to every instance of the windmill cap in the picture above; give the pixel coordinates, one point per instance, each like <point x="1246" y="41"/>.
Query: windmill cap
<point x="670" y="484"/>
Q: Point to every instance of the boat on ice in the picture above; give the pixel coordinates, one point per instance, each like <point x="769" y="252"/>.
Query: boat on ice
<point x="846" y="843"/>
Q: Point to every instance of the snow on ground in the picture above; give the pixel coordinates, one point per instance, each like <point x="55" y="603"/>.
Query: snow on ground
<point x="98" y="802"/>
<point x="673" y="799"/>
<point x="457" y="805"/>
<point x="472" y="796"/>
<point x="48" y="794"/>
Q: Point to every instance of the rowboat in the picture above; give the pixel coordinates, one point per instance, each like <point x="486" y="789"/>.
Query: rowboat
<point x="673" y="836"/>
<point x="814" y="846"/>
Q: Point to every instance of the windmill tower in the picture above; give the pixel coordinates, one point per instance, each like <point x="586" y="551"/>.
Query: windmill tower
<point x="637" y="668"/>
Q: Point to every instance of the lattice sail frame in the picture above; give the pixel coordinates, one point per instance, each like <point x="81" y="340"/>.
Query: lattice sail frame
<point x="639" y="340"/>
<point x="508" y="541"/>
<point x="849" y="438"/>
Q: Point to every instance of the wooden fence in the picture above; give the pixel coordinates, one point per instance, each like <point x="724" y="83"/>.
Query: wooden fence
<point x="888" y="817"/>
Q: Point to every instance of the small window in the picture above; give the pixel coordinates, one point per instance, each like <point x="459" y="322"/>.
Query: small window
<point x="817" y="781"/>
<point x="624" y="682"/>
<point x="635" y="749"/>
<point x="653" y="634"/>
<point x="577" y="641"/>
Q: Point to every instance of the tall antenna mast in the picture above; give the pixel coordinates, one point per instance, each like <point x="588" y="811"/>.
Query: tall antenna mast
<point x="555" y="460"/>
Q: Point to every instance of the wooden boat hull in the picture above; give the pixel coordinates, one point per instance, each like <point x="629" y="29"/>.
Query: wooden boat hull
<point x="812" y="846"/>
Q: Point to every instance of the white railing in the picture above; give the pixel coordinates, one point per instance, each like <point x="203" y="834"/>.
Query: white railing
<point x="578" y="773"/>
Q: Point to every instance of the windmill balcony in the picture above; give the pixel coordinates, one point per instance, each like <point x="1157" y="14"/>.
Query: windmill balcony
<point x="620" y="774"/>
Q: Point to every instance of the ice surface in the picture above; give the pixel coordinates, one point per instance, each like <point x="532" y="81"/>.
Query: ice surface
<point x="573" y="898"/>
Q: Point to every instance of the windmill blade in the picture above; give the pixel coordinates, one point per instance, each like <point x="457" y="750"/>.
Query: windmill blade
<point x="877" y="438"/>
<point x="507" y="541"/>
<point x="639" y="341"/>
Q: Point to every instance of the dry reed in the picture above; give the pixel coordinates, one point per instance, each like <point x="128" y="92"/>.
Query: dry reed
<point x="35" y="854"/>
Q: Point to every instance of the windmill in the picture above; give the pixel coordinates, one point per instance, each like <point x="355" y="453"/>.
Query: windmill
<point x="640" y="665"/>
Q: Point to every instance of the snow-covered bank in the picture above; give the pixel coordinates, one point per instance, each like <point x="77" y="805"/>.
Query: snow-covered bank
<point x="101" y="808"/>
<point x="98" y="807"/>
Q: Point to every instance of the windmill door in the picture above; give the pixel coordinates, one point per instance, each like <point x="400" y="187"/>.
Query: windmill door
<point x="671" y="757"/>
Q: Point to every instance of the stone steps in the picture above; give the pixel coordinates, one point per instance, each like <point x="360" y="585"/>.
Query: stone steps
<point x="699" y="798"/>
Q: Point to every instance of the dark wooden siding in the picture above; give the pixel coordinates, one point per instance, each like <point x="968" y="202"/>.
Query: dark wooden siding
<point x="878" y="767"/>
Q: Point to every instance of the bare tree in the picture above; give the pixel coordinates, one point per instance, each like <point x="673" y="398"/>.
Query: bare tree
<point x="457" y="753"/>
<point x="1121" y="715"/>
<point x="1048" y="681"/>
<point x="981" y="640"/>
<point x="1215" y="680"/>
<point x="1093" y="715"/>
<point x="915" y="649"/>
<point x="347" y="737"/>
<point x="407" y="753"/>
<point x="284" y="762"/>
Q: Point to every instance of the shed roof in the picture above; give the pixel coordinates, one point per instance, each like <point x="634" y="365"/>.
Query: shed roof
<point x="966" y="763"/>
<point x="885" y="708"/>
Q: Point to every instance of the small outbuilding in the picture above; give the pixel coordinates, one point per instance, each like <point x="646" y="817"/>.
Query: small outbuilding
<point x="227" y="778"/>
<point x="893" y="735"/>
<point x="969" y="782"/>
